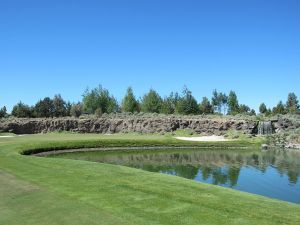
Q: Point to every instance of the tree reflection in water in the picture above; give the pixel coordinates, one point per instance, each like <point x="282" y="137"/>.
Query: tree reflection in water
<point x="271" y="173"/>
<point x="221" y="166"/>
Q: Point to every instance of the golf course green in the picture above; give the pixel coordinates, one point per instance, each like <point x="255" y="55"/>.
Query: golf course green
<point x="44" y="190"/>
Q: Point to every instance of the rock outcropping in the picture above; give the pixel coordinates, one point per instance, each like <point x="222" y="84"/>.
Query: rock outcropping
<point x="153" y="124"/>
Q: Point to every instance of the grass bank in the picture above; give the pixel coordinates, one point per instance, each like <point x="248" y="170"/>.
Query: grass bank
<point x="129" y="140"/>
<point x="36" y="190"/>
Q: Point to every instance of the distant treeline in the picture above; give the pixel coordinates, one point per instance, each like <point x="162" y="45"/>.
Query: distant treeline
<point x="98" y="101"/>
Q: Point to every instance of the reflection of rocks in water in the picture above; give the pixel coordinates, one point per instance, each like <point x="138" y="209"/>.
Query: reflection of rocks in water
<point x="223" y="167"/>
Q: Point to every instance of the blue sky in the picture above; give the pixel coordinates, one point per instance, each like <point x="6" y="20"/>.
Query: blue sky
<point x="49" y="47"/>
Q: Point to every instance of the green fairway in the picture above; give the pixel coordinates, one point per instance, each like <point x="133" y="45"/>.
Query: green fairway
<point x="41" y="190"/>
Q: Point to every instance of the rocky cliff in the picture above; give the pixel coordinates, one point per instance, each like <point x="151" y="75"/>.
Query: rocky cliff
<point x="151" y="124"/>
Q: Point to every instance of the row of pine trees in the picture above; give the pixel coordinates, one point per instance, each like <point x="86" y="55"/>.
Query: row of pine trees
<point x="98" y="101"/>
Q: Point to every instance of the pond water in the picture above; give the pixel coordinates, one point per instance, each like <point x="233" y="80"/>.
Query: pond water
<point x="273" y="174"/>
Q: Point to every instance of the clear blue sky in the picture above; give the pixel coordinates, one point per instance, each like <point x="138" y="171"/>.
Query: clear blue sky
<point x="49" y="47"/>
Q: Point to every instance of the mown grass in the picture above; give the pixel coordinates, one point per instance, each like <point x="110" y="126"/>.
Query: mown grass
<point x="37" y="190"/>
<point x="33" y="148"/>
<point x="61" y="141"/>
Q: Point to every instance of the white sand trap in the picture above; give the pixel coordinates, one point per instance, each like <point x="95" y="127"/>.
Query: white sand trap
<point x="11" y="136"/>
<point x="203" y="138"/>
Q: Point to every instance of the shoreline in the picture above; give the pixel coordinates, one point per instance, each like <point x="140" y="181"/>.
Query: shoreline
<point x="104" y="149"/>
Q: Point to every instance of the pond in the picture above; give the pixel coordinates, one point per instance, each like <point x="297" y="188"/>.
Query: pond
<point x="273" y="174"/>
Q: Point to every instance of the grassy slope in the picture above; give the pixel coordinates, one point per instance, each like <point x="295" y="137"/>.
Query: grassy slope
<point x="36" y="190"/>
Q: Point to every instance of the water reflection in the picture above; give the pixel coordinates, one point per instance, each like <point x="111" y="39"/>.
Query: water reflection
<point x="222" y="166"/>
<point x="270" y="173"/>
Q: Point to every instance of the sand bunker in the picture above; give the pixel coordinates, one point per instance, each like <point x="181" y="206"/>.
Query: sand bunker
<point x="10" y="136"/>
<point x="203" y="138"/>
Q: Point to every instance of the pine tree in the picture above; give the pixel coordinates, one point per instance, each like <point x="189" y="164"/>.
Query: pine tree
<point x="151" y="102"/>
<point x="205" y="106"/>
<point x="44" y="108"/>
<point x="279" y="108"/>
<point x="3" y="112"/>
<point x="129" y="103"/>
<point x="187" y="104"/>
<point x="233" y="104"/>
<point x="99" y="98"/>
<point x="59" y="105"/>
<point x="169" y="103"/>
<point x="244" y="109"/>
<point x="263" y="108"/>
<point x="22" y="111"/>
<point x="292" y="104"/>
<point x="219" y="101"/>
